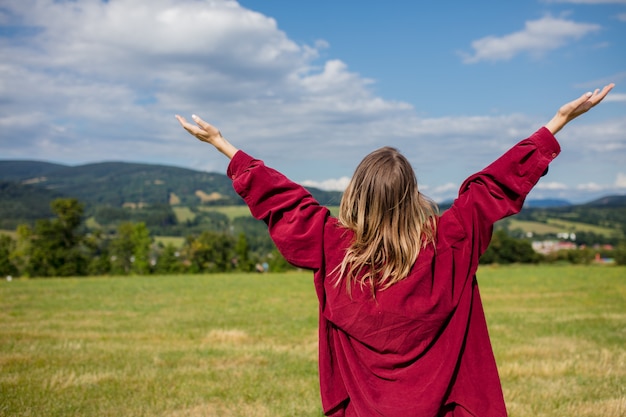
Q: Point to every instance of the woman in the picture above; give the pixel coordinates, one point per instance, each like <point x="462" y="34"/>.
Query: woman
<point x="401" y="325"/>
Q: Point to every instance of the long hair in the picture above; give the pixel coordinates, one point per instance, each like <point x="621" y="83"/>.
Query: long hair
<point x="390" y="219"/>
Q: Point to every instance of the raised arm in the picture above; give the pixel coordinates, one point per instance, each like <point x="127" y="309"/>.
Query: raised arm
<point x="500" y="189"/>
<point x="294" y="218"/>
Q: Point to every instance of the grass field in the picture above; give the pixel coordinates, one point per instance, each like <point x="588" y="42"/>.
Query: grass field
<point x="183" y="213"/>
<point x="561" y="226"/>
<point x="246" y="345"/>
<point x="233" y="212"/>
<point x="176" y="241"/>
<point x="8" y="233"/>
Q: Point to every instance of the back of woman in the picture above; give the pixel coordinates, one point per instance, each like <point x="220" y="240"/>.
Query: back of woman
<point x="402" y="330"/>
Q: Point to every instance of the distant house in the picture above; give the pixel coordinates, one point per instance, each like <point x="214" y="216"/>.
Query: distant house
<point x="549" y="246"/>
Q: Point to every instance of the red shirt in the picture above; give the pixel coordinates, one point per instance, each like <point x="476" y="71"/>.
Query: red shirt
<point x="421" y="347"/>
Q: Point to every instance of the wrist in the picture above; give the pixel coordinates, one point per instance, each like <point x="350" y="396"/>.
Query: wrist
<point x="556" y="123"/>
<point x="226" y="148"/>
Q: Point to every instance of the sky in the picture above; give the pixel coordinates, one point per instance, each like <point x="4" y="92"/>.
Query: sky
<point x="311" y="87"/>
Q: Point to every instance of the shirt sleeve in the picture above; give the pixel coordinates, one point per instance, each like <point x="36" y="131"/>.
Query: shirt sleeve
<point x="499" y="190"/>
<point x="294" y="218"/>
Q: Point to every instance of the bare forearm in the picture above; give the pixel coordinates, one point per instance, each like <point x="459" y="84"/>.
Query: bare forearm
<point x="226" y="148"/>
<point x="556" y="124"/>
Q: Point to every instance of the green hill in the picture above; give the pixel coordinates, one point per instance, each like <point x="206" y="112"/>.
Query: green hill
<point x="110" y="189"/>
<point x="23" y="203"/>
<point x="119" y="183"/>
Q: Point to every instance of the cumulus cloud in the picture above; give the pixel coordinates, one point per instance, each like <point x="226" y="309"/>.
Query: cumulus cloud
<point x="620" y="181"/>
<point x="331" y="184"/>
<point x="621" y="97"/>
<point x="591" y="186"/>
<point x="537" y="37"/>
<point x="95" y="80"/>
<point x="551" y="186"/>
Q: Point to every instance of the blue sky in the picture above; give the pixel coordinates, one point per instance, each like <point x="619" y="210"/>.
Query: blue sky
<point x="312" y="87"/>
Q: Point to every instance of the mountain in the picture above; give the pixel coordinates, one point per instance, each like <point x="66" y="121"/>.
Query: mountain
<point x="119" y="183"/>
<point x="23" y="202"/>
<point x="608" y="201"/>
<point x="27" y="187"/>
<point x="546" y="203"/>
<point x="22" y="170"/>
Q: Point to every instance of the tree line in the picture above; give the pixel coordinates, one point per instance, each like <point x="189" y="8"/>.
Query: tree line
<point x="60" y="246"/>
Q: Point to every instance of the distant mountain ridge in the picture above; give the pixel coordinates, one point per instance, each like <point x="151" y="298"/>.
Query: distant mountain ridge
<point x="119" y="183"/>
<point x="19" y="170"/>
<point x="608" y="201"/>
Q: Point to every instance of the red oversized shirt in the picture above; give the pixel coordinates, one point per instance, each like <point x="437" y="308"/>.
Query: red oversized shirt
<point x="421" y="347"/>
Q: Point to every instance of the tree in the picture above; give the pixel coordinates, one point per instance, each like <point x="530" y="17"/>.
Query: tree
<point x="99" y="259"/>
<point x="141" y="241"/>
<point x="20" y="255"/>
<point x="130" y="249"/>
<point x="277" y="262"/>
<point x="504" y="249"/>
<point x="121" y="249"/>
<point x="7" y="246"/>
<point x="55" y="248"/>
<point x="209" y="252"/>
<point x="242" y="252"/>
<point x="619" y="254"/>
<point x="168" y="261"/>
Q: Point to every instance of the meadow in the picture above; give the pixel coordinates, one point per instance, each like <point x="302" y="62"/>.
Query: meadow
<point x="246" y="345"/>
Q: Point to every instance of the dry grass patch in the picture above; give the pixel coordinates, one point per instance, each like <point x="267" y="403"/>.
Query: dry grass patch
<point x="223" y="410"/>
<point x="226" y="336"/>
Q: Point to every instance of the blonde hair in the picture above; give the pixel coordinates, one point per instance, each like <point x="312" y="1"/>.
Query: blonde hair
<point x="390" y="219"/>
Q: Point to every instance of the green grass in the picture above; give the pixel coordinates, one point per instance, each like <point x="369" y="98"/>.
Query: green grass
<point x="176" y="241"/>
<point x="246" y="345"/>
<point x="232" y="212"/>
<point x="8" y="233"/>
<point x="558" y="225"/>
<point x="183" y="213"/>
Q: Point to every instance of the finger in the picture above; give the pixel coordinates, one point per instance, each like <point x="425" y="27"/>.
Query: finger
<point x="206" y="127"/>
<point x="599" y="97"/>
<point x="199" y="121"/>
<point x="582" y="100"/>
<point x="184" y="123"/>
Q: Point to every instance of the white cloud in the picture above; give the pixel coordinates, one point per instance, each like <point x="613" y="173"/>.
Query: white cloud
<point x="338" y="184"/>
<point x="591" y="186"/>
<point x="118" y="71"/>
<point x="537" y="38"/>
<point x="94" y="80"/>
<point x="616" y="97"/>
<point x="620" y="181"/>
<point x="551" y="186"/>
